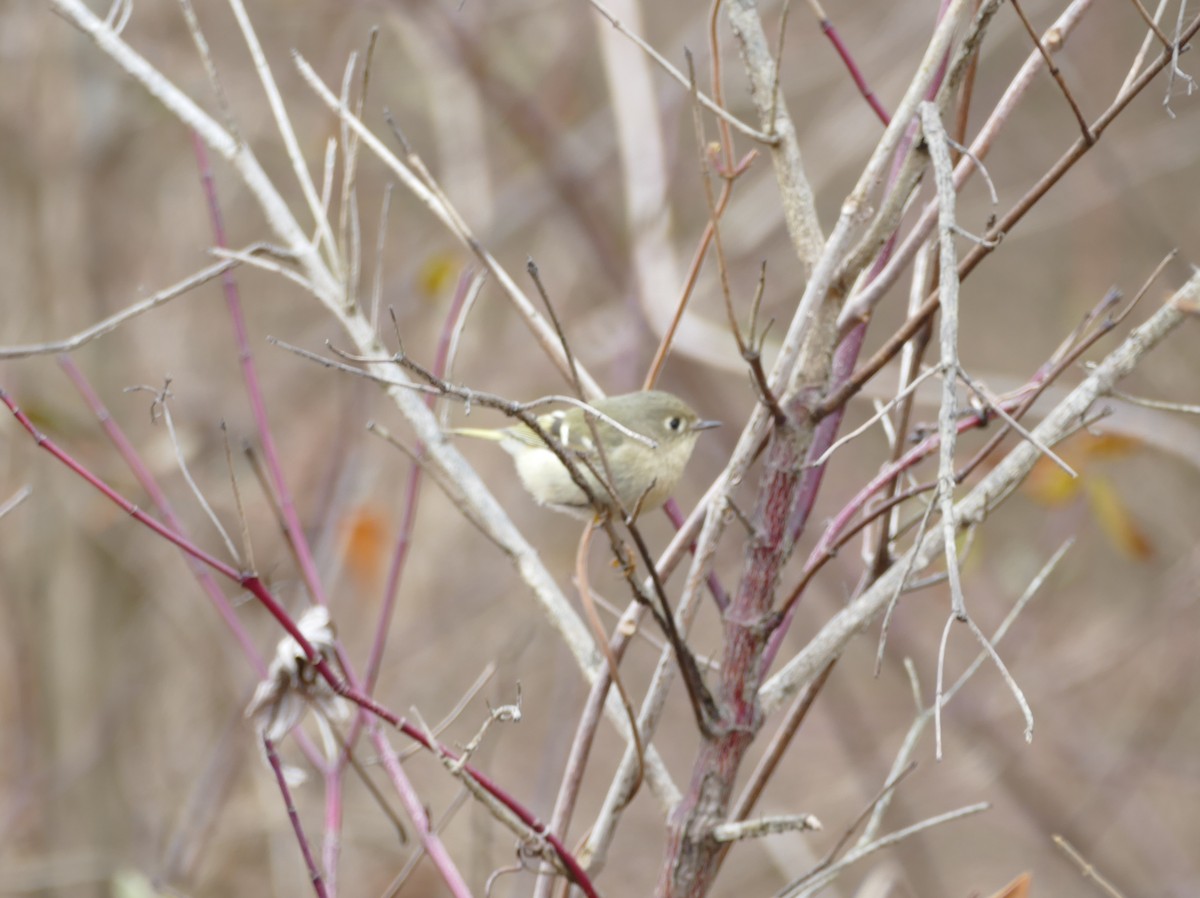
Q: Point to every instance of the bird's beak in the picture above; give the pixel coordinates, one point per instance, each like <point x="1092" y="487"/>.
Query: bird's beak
<point x="705" y="425"/>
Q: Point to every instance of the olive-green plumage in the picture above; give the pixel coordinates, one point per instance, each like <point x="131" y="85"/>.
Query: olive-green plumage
<point x="642" y="472"/>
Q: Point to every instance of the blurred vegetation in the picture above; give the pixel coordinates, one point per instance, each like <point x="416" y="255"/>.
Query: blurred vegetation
<point x="124" y="756"/>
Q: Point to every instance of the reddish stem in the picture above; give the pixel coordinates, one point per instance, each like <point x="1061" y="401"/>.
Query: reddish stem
<point x="154" y="491"/>
<point x="255" y="587"/>
<point x="852" y="67"/>
<point x="281" y="780"/>
<point x="258" y="407"/>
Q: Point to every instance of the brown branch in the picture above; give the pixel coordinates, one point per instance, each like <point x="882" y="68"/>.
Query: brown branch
<point x="917" y="319"/>
<point x="1088" y="136"/>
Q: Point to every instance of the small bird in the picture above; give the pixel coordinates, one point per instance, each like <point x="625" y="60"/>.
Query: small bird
<point x="641" y="472"/>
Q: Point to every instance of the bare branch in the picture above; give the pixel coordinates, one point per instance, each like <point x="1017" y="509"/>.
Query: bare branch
<point x="766" y="826"/>
<point x="666" y="66"/>
<point x="112" y="322"/>
<point x="990" y="491"/>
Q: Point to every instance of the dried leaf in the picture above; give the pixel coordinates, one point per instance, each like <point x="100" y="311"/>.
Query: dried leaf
<point x="365" y="543"/>
<point x="1019" y="888"/>
<point x="1116" y="520"/>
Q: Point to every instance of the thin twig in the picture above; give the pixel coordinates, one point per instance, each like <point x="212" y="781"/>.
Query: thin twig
<point x="210" y="67"/>
<point x="1085" y="867"/>
<point x="427" y="191"/>
<point x="885" y="793"/>
<point x="666" y="66"/>
<point x="287" y="133"/>
<point x="935" y="138"/>
<point x="112" y="322"/>
<point x="862" y="302"/>
<point x="159" y="408"/>
<point x="852" y="68"/>
<point x="991" y="490"/>
<point x="385" y="206"/>
<point x="766" y="826"/>
<point x="879" y="415"/>
<point x="804" y="887"/>
<point x="995" y="405"/>
<point x="1088" y="136"/>
<point x="925" y="714"/>
<point x="310" y="863"/>
<point x="247" y="545"/>
<point x="15" y="499"/>
<point x="1140" y="57"/>
<point x="614" y="674"/>
<point x="899" y="590"/>
<point x="1181" y="407"/>
<point x="1151" y="22"/>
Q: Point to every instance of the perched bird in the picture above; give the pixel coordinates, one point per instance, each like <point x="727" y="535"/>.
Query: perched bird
<point x="641" y="470"/>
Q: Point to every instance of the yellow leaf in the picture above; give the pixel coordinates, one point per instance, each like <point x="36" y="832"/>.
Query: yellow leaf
<point x="1049" y="484"/>
<point x="1115" y="518"/>
<point x="436" y="274"/>
<point x="1110" y="445"/>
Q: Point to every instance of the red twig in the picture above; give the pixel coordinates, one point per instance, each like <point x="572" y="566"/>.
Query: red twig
<point x="258" y="408"/>
<point x="255" y="587"/>
<point x="143" y="476"/>
<point x="281" y="780"/>
<point x="843" y="51"/>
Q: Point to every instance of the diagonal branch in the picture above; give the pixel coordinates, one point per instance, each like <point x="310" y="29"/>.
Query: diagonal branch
<point x="991" y="490"/>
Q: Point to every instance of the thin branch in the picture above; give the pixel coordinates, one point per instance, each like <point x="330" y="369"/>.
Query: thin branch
<point x="244" y="524"/>
<point x="1175" y="71"/>
<point x="885" y="628"/>
<point x="989" y="492"/>
<point x="884" y="795"/>
<point x="860" y="304"/>
<point x="749" y="348"/>
<point x="1181" y="407"/>
<point x="159" y="408"/>
<point x="1140" y="57"/>
<point x="436" y="202"/>
<point x="310" y="863"/>
<point x="909" y="744"/>
<point x="288" y="134"/>
<point x="1086" y="868"/>
<point x="15" y="499"/>
<point x="851" y="66"/>
<point x="145" y="479"/>
<point x="585" y="734"/>
<point x="935" y="139"/>
<point x="385" y="206"/>
<point x="1151" y="23"/>
<point x="613" y="674"/>
<point x="803" y="887"/>
<point x="995" y="405"/>
<point x="112" y="322"/>
<point x="210" y="67"/>
<point x="666" y="66"/>
<point x="264" y="264"/>
<point x="766" y="826"/>
<point x="435" y="385"/>
<point x="880" y="413"/>
<point x="1088" y="136"/>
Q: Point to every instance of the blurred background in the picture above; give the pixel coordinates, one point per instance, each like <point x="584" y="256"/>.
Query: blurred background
<point x="124" y="756"/>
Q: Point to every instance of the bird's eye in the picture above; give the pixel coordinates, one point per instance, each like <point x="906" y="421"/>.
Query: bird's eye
<point x="674" y="423"/>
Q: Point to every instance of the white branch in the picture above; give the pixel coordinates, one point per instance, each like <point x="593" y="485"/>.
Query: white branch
<point x="1012" y="469"/>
